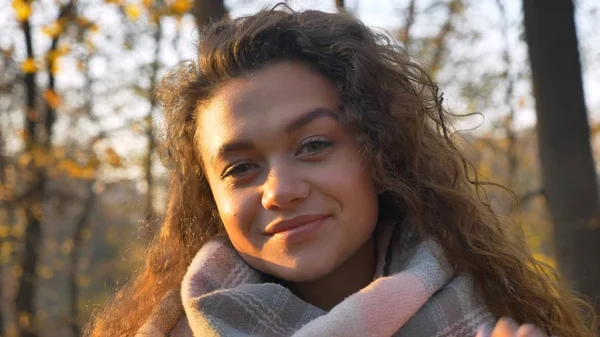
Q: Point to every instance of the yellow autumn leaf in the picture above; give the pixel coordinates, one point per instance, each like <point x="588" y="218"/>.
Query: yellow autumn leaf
<point x="484" y="170"/>
<point x="25" y="159"/>
<point x="75" y="170"/>
<point x="132" y="11"/>
<point x="59" y="152"/>
<point x="181" y="6"/>
<point x="54" y="68"/>
<point x="112" y="157"/>
<point x="52" y="56"/>
<point x="53" y="30"/>
<point x="40" y="156"/>
<point x="87" y="173"/>
<point x="22" y="9"/>
<point x="57" y="53"/>
<point x="4" y="231"/>
<point x="52" y="98"/>
<point x="28" y="66"/>
<point x="2" y="197"/>
<point x="46" y="272"/>
<point x="147" y="3"/>
<point x="25" y="319"/>
<point x="83" y="21"/>
<point x="6" y="251"/>
<point x="534" y="242"/>
<point x="545" y="259"/>
<point x="549" y="264"/>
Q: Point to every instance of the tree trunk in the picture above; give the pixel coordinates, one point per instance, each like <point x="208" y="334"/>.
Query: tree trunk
<point x="38" y="135"/>
<point x="207" y="11"/>
<point x="2" y="182"/>
<point x="28" y="279"/>
<point x="339" y="4"/>
<point x="563" y="133"/>
<point x="81" y="226"/>
<point x="25" y="294"/>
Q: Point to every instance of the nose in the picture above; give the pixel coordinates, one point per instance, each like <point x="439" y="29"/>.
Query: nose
<point x="284" y="188"/>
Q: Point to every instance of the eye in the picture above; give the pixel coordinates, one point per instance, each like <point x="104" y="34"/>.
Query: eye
<point x="238" y="169"/>
<point x="313" y="146"/>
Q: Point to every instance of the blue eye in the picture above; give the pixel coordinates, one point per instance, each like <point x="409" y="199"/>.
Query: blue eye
<point x="313" y="146"/>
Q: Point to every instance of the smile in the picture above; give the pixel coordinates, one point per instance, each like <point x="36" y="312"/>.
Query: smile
<point x="297" y="229"/>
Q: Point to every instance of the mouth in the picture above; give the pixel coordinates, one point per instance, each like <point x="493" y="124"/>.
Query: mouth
<point x="294" y="224"/>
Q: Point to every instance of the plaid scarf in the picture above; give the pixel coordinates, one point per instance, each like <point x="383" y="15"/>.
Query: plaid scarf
<point x="414" y="293"/>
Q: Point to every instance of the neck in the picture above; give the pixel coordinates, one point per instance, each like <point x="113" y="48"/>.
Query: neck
<point x="354" y="274"/>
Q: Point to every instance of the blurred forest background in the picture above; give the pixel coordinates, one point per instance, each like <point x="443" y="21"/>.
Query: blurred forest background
<point x="82" y="186"/>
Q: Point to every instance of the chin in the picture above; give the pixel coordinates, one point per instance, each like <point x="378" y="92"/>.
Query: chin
<point x="308" y="271"/>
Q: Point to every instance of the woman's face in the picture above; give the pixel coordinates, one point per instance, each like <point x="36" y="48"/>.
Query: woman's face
<point x="291" y="191"/>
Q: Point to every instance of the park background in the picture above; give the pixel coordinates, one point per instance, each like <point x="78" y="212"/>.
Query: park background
<point x="82" y="186"/>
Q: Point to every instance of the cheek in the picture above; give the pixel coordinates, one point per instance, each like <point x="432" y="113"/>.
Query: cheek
<point x="350" y="180"/>
<point x="361" y="196"/>
<point x="238" y="211"/>
<point x="356" y="192"/>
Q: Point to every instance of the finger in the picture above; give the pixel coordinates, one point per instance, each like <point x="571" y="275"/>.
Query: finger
<point x="485" y="330"/>
<point x="530" y="330"/>
<point x="506" y="327"/>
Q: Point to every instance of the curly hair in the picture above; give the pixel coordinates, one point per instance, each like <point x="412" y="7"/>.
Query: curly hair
<point x="394" y="110"/>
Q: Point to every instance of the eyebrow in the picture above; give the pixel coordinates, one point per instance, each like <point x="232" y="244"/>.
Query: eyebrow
<point x="308" y="117"/>
<point x="295" y="125"/>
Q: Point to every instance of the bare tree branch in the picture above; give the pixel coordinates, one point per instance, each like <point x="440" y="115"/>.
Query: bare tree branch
<point x="405" y="36"/>
<point x="441" y="38"/>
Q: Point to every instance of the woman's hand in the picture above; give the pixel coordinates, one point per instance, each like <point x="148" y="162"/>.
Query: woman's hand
<point x="506" y="327"/>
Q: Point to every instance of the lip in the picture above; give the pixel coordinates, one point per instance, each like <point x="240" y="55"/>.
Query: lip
<point x="293" y="223"/>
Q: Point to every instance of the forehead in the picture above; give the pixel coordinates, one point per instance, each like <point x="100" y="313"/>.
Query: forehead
<point x="264" y="102"/>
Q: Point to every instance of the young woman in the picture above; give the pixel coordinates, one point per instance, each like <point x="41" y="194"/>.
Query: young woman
<point x="316" y="191"/>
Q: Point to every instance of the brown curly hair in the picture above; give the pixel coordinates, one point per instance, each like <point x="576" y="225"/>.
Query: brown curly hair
<point x="395" y="112"/>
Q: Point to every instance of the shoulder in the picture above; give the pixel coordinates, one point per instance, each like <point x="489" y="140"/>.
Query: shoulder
<point x="454" y="310"/>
